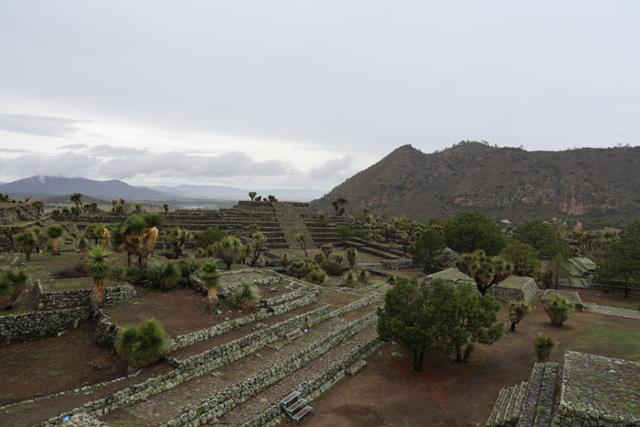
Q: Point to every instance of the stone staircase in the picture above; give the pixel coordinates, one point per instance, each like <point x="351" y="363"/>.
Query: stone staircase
<point x="530" y="403"/>
<point x="291" y="223"/>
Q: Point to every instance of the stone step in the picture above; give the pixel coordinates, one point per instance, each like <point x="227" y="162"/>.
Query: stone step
<point x="540" y="394"/>
<point x="245" y="354"/>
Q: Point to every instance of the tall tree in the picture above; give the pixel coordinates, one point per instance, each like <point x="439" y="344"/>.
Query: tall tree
<point x="427" y="248"/>
<point x="469" y="231"/>
<point x="542" y="236"/>
<point x="621" y="261"/>
<point x="523" y="256"/>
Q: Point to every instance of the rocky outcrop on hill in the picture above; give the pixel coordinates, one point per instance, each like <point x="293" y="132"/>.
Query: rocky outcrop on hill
<point x="598" y="184"/>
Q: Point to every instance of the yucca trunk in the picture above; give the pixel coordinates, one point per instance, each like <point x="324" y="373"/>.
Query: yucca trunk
<point x="27" y="250"/>
<point x="212" y="295"/>
<point x="97" y="296"/>
<point x="55" y="246"/>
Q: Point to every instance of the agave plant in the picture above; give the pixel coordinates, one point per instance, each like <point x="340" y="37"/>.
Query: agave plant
<point x="143" y="344"/>
<point x="210" y="277"/>
<point x="245" y="297"/>
<point x="55" y="232"/>
<point x="98" y="266"/>
<point x="169" y="276"/>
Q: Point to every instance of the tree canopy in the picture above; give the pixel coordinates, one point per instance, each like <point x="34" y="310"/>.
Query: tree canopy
<point x="427" y="248"/>
<point x="523" y="256"/>
<point x="469" y="231"/>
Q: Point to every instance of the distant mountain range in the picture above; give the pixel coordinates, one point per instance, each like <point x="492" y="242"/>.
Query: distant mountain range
<point x="43" y="187"/>
<point x="601" y="185"/>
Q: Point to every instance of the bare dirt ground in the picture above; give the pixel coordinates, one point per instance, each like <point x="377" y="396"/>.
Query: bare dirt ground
<point x="50" y="365"/>
<point x="612" y="299"/>
<point x="389" y="393"/>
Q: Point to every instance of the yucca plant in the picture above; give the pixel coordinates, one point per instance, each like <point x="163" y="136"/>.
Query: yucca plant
<point x="230" y="249"/>
<point x="143" y="344"/>
<point x="285" y="260"/>
<point x="486" y="271"/>
<point x="350" y="278"/>
<point x="517" y="311"/>
<point x="11" y="285"/>
<point x="317" y="276"/>
<point x="169" y="276"/>
<point x="98" y="267"/>
<point x="27" y="240"/>
<point x="363" y="277"/>
<point x="543" y="345"/>
<point x="352" y="254"/>
<point x="210" y="277"/>
<point x="558" y="309"/>
<point x="55" y="232"/>
<point x="83" y="247"/>
<point x="76" y="198"/>
<point x="326" y="249"/>
<point x="245" y="297"/>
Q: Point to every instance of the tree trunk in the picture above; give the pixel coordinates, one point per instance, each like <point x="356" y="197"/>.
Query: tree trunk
<point x="418" y="357"/>
<point x="55" y="246"/>
<point x="229" y="265"/>
<point x="513" y="326"/>
<point x="28" y="255"/>
<point x="97" y="296"/>
<point x="212" y="296"/>
<point x="626" y="288"/>
<point x="128" y="259"/>
<point x="467" y="352"/>
<point x="458" y="354"/>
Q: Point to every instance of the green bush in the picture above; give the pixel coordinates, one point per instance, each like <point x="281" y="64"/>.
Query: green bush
<point x="317" y="276"/>
<point x="169" y="276"/>
<point x="143" y="344"/>
<point x="558" y="309"/>
<point x="350" y="278"/>
<point x="363" y="277"/>
<point x="543" y="345"/>
<point x="11" y="284"/>
<point x="332" y="267"/>
<point x="244" y="297"/>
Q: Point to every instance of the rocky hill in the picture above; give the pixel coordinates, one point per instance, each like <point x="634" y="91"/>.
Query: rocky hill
<point x="598" y="185"/>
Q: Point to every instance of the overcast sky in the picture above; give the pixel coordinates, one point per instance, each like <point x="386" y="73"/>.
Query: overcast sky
<point x="300" y="93"/>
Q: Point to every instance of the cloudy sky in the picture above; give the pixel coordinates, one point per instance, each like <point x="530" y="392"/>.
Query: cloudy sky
<point x="303" y="93"/>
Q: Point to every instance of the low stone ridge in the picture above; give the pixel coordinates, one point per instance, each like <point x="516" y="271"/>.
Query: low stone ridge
<point x="598" y="391"/>
<point x="45" y="300"/>
<point x="32" y="324"/>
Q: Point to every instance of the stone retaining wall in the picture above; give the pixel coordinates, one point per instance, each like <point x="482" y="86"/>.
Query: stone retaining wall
<point x="315" y="386"/>
<point x="219" y="404"/>
<point x="79" y="297"/>
<point x="21" y="326"/>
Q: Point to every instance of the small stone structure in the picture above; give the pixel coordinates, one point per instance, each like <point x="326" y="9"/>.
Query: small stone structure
<point x="47" y="300"/>
<point x="584" y="390"/>
<point x="581" y="271"/>
<point x="519" y="288"/>
<point x="22" y="326"/>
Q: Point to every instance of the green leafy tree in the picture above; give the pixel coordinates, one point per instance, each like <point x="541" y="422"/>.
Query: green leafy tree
<point x="411" y="318"/>
<point x="427" y="249"/>
<point x="11" y="285"/>
<point x="210" y="236"/>
<point x="230" y="249"/>
<point x="522" y="256"/>
<point x="486" y="271"/>
<point x="542" y="236"/>
<point x="142" y="344"/>
<point x="469" y="318"/>
<point x="469" y="231"/>
<point x="621" y="261"/>
<point x="344" y="234"/>
<point x="517" y="311"/>
<point x="558" y="309"/>
<point x="98" y="267"/>
<point x="55" y="233"/>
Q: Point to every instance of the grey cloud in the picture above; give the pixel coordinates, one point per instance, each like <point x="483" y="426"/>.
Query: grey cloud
<point x="74" y="146"/>
<point x="38" y="125"/>
<point x="334" y="167"/>
<point x="104" y="150"/>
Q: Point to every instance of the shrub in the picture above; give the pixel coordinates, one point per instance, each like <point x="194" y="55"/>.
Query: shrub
<point x="543" y="345"/>
<point x="143" y="344"/>
<point x="187" y="267"/>
<point x="285" y="260"/>
<point x="517" y="311"/>
<point x="11" y="284"/>
<point x="332" y="267"/>
<point x="558" y="309"/>
<point x="208" y="237"/>
<point x="319" y="258"/>
<point x="326" y="249"/>
<point x="300" y="268"/>
<point x="317" y="276"/>
<point x="363" y="277"/>
<point x="392" y="279"/>
<point x="245" y="297"/>
<point x="350" y="278"/>
<point x="169" y="276"/>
